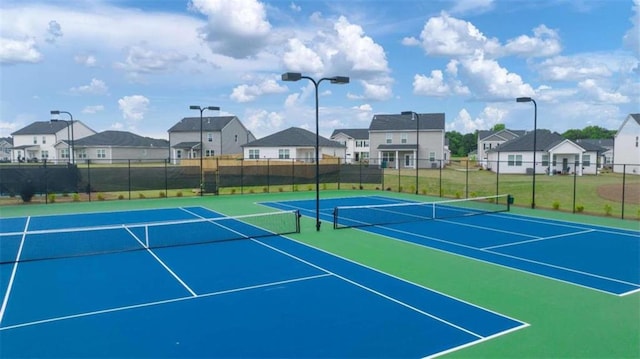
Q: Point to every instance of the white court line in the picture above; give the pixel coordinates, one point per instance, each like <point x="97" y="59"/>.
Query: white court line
<point x="503" y="255"/>
<point x="560" y="223"/>
<point x="160" y="302"/>
<point x="538" y="239"/>
<point x="162" y="263"/>
<point x="13" y="271"/>
<point x="486" y="228"/>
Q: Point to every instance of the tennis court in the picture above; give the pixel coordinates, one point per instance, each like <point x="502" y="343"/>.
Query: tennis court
<point x="595" y="257"/>
<point x="191" y="282"/>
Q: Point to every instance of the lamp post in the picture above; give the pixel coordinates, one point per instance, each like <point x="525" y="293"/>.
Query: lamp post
<point x="202" y="109"/>
<point x="296" y="76"/>
<point x="69" y="124"/>
<point x="535" y="120"/>
<point x="417" y="140"/>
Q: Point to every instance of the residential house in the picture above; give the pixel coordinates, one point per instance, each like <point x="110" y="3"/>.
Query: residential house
<point x="395" y="141"/>
<point x="356" y="141"/>
<point x="37" y="141"/>
<point x="606" y="158"/>
<point x="6" y="144"/>
<point x="221" y="135"/>
<point x="626" y="156"/>
<point x="293" y="143"/>
<point x="553" y="155"/>
<point x="488" y="140"/>
<point x="115" y="146"/>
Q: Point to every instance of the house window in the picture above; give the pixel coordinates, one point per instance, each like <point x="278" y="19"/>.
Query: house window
<point x="209" y="153"/>
<point x="82" y="153"/>
<point x="586" y="160"/>
<point x="35" y="140"/>
<point x="254" y="154"/>
<point x="283" y="153"/>
<point x="514" y="160"/>
<point x="236" y="138"/>
<point x="209" y="137"/>
<point x="432" y="156"/>
<point x="362" y="143"/>
<point x="637" y="141"/>
<point x="403" y="138"/>
<point x="179" y="153"/>
<point x="545" y="160"/>
<point x="389" y="156"/>
<point x="44" y="140"/>
<point x="389" y="138"/>
<point x="364" y="155"/>
<point x="44" y="154"/>
<point x="101" y="153"/>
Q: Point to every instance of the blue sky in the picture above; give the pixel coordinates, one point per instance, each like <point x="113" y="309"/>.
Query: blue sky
<point x="138" y="65"/>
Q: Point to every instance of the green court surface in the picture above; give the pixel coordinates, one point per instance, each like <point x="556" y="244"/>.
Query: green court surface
<point x="565" y="320"/>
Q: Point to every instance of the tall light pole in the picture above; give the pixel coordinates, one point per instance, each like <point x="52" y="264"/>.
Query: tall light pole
<point x="296" y="76"/>
<point x="535" y="124"/>
<point x="417" y="140"/>
<point x="202" y="109"/>
<point x="69" y="123"/>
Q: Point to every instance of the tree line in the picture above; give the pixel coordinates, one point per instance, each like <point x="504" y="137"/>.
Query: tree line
<point x="461" y="144"/>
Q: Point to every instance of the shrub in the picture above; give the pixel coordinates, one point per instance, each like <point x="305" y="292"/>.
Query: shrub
<point x="265" y="189"/>
<point x="52" y="197"/>
<point x="579" y="208"/>
<point x="65" y="194"/>
<point x="251" y="190"/>
<point x="400" y="189"/>
<point x="100" y="197"/>
<point x="555" y="205"/>
<point x="280" y="189"/>
<point x="295" y="188"/>
<point x="27" y="191"/>
<point x="608" y="209"/>
<point x="423" y="191"/>
<point x="141" y="196"/>
<point x="179" y="194"/>
<point x="309" y="188"/>
<point x="361" y="187"/>
<point x="120" y="196"/>
<point x="76" y="197"/>
<point x="458" y="194"/>
<point x="233" y="191"/>
<point x="162" y="194"/>
<point x="324" y="186"/>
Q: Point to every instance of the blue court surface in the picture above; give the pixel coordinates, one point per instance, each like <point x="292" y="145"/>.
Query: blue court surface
<point x="601" y="258"/>
<point x="131" y="286"/>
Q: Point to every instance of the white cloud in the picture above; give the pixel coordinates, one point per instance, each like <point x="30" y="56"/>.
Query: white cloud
<point x="17" y="51"/>
<point x="544" y="43"/>
<point x="54" y="31"/>
<point x="262" y="123"/>
<point x="490" y="81"/>
<point x="632" y="36"/>
<point x="448" y="36"/>
<point x="574" y="68"/>
<point x="143" y="60"/>
<point x="430" y="86"/>
<point x="592" y="88"/>
<point x="96" y="87"/>
<point x="93" y="109"/>
<point x="133" y="107"/>
<point x="235" y="28"/>
<point x="301" y="58"/>
<point x="410" y="41"/>
<point x="86" y="60"/>
<point x="475" y="6"/>
<point x="294" y="7"/>
<point x="362" y="53"/>
<point x="247" y="93"/>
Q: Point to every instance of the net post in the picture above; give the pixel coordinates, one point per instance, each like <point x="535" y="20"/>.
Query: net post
<point x="509" y="202"/>
<point x="298" y="215"/>
<point x="146" y="236"/>
<point x="335" y="218"/>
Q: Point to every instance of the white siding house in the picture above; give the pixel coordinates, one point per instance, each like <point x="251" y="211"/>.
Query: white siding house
<point x="626" y="156"/>
<point x="490" y="140"/>
<point x="356" y="141"/>
<point x="292" y="144"/>
<point x="40" y="140"/>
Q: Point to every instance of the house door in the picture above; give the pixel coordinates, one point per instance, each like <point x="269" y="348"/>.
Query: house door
<point x="565" y="163"/>
<point x="408" y="160"/>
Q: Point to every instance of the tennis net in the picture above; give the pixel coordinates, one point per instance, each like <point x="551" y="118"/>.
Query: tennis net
<point x="371" y="215"/>
<point x="82" y="241"/>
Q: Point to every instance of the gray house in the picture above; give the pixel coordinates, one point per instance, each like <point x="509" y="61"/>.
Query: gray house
<point x="396" y="140"/>
<point x="113" y="146"/>
<point x="357" y="142"/>
<point x="6" y="144"/>
<point x="292" y="143"/>
<point x="37" y="141"/>
<point x="221" y="135"/>
<point x="488" y="140"/>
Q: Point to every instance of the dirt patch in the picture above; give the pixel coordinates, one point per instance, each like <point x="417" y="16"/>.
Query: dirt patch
<point x="613" y="192"/>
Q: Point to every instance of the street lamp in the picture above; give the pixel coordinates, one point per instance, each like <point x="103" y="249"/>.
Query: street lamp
<point x="202" y="109"/>
<point x="296" y="76"/>
<point x="69" y="124"/>
<point x="535" y="120"/>
<point x="411" y="113"/>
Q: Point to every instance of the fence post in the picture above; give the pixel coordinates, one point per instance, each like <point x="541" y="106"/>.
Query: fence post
<point x="498" y="175"/>
<point x="166" y="178"/>
<point x="241" y="176"/>
<point x="46" y="181"/>
<point x="440" y="183"/>
<point x="575" y="176"/>
<point x="129" y="177"/>
<point x="624" y="180"/>
<point x="268" y="176"/>
<point x="89" y="178"/>
<point x="466" y="179"/>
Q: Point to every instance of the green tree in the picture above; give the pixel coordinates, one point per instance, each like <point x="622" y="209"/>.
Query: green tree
<point x="593" y="132"/>
<point x="455" y="139"/>
<point x="498" y="127"/>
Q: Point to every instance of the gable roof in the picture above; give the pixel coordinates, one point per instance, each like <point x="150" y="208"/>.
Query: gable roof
<point x="42" y="128"/>
<point x="293" y="137"/>
<point x="120" y="139"/>
<point x="596" y="144"/>
<point x="545" y="139"/>
<point x="8" y="140"/>
<point x="192" y="124"/>
<point x="356" y="133"/>
<point x="504" y="134"/>
<point x="428" y="121"/>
